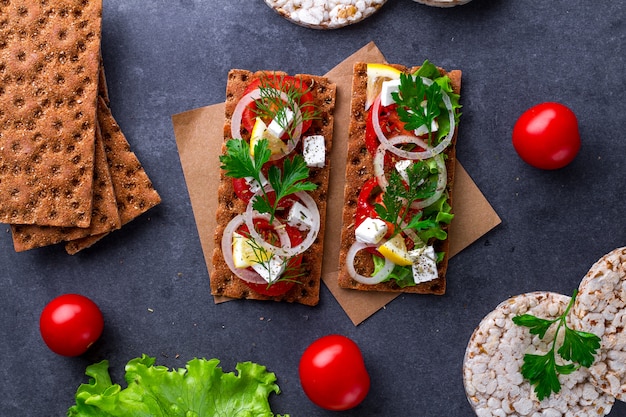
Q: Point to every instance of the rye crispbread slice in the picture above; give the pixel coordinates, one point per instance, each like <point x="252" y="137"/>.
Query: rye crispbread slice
<point x="49" y="60"/>
<point x="223" y="281"/>
<point x="103" y="88"/>
<point x="360" y="168"/>
<point x="104" y="217"/>
<point x="133" y="188"/>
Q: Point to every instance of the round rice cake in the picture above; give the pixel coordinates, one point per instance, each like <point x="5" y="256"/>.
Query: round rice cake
<point x="443" y="3"/>
<point x="325" y="14"/>
<point x="495" y="353"/>
<point x="600" y="308"/>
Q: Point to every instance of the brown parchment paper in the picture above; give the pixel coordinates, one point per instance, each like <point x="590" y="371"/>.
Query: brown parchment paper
<point x="199" y="135"/>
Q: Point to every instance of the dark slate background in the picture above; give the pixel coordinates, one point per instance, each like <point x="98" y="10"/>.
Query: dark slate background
<point x="164" y="57"/>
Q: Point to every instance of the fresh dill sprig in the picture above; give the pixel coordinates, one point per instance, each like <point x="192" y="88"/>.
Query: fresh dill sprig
<point x="262" y="256"/>
<point x="399" y="196"/>
<point x="578" y="348"/>
<point x="271" y="105"/>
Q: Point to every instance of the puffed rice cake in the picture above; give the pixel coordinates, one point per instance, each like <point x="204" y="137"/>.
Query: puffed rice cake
<point x="442" y="3"/>
<point x="495" y="353"/>
<point x="325" y="14"/>
<point x="600" y="308"/>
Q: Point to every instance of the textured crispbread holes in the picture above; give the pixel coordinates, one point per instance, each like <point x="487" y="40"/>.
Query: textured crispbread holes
<point x="105" y="217"/>
<point x="49" y="50"/>
<point x="134" y="192"/>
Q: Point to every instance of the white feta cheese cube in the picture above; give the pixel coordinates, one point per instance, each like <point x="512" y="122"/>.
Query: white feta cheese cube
<point x="423" y="130"/>
<point x="401" y="166"/>
<point x="254" y="185"/>
<point x="299" y="216"/>
<point x="272" y="269"/>
<point x="314" y="151"/>
<point x="424" y="264"/>
<point x="278" y="126"/>
<point x="371" y="231"/>
<point x="388" y="87"/>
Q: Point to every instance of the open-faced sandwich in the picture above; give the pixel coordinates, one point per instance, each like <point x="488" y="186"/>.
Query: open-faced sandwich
<point x="273" y="186"/>
<point x="399" y="174"/>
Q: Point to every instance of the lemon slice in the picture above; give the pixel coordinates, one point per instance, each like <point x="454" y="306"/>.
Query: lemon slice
<point x="395" y="250"/>
<point x="246" y="253"/>
<point x="256" y="135"/>
<point x="376" y="74"/>
<point x="274" y="144"/>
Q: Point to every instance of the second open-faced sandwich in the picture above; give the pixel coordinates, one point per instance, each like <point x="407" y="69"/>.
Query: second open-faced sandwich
<point x="399" y="177"/>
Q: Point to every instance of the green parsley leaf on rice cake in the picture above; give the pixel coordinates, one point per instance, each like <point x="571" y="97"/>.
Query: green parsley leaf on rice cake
<point x="495" y="353"/>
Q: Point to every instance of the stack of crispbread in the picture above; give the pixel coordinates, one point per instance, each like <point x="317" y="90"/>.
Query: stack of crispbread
<point x="66" y="170"/>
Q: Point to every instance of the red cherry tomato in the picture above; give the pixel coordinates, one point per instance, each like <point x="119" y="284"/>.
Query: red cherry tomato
<point x="546" y="136"/>
<point x="333" y="373"/>
<point x="70" y="324"/>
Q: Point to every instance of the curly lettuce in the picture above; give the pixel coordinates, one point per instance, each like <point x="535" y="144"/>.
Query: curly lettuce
<point x="403" y="275"/>
<point x="200" y="389"/>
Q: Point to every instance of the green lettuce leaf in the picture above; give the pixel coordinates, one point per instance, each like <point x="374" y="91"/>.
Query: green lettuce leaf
<point x="440" y="213"/>
<point x="428" y="70"/>
<point x="200" y="389"/>
<point x="403" y="275"/>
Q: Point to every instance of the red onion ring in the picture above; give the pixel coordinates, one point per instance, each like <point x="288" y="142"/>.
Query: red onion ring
<point x="286" y="251"/>
<point x="442" y="178"/>
<point x="235" y="125"/>
<point x="428" y="153"/>
<point x="227" y="250"/>
<point x="375" y="279"/>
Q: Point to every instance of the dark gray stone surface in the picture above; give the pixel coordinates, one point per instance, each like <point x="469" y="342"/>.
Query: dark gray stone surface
<point x="150" y="279"/>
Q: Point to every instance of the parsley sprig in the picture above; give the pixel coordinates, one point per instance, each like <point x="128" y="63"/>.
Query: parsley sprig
<point x="399" y="196"/>
<point x="418" y="104"/>
<point x="238" y="163"/>
<point x="578" y="348"/>
<point x="271" y="105"/>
